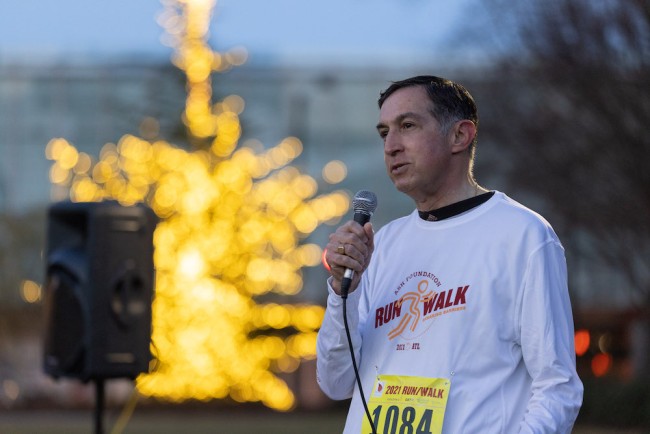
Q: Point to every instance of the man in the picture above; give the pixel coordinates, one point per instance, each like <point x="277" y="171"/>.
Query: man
<point x="461" y="321"/>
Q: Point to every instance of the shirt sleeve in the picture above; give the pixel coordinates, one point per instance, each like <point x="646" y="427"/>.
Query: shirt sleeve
<point x="334" y="370"/>
<point x="547" y="331"/>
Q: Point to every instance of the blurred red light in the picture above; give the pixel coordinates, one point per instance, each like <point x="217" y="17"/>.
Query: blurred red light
<point x="582" y="341"/>
<point x="601" y="364"/>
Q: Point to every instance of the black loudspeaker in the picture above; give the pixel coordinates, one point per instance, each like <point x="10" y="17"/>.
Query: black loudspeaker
<point x="98" y="291"/>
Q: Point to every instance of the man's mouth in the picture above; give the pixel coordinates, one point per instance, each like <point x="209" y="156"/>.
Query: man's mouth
<point x="397" y="168"/>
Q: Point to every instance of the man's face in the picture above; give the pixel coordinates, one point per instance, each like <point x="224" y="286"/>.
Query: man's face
<point x="416" y="152"/>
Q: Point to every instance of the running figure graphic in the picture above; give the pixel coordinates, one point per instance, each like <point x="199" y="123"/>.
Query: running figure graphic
<point x="413" y="311"/>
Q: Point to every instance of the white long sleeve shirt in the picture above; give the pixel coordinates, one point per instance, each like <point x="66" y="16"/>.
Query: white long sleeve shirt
<point x="493" y="316"/>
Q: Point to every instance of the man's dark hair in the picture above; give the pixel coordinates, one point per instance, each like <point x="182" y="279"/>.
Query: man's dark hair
<point x="450" y="102"/>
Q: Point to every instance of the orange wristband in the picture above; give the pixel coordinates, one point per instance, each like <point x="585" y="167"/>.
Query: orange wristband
<point x="325" y="264"/>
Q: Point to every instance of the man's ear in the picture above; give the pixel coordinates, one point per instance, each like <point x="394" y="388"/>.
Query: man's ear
<point x="462" y="135"/>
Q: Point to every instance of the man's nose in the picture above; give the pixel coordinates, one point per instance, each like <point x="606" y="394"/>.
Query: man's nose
<point x="392" y="143"/>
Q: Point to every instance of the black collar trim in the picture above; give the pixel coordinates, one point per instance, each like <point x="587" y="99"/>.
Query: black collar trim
<point x="455" y="208"/>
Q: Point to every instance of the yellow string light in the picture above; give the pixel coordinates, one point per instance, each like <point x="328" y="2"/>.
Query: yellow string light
<point x="232" y="224"/>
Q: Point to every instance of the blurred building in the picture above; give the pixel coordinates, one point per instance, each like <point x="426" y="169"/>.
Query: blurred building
<point x="333" y="112"/>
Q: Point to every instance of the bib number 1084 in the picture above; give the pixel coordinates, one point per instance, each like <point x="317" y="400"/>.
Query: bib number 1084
<point x="402" y="404"/>
<point x="401" y="420"/>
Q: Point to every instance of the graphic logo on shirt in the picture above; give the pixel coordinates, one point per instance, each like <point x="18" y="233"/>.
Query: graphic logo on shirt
<point x="414" y="311"/>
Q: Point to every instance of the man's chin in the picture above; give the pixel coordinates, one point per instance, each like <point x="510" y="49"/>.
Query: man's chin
<point x="402" y="187"/>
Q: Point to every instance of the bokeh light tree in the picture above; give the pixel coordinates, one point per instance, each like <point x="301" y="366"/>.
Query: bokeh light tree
<point x="234" y="223"/>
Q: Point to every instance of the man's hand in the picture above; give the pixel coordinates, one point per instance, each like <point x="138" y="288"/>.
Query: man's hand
<point x="351" y="246"/>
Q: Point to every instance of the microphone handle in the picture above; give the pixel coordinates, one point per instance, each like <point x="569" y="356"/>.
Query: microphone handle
<point x="362" y="219"/>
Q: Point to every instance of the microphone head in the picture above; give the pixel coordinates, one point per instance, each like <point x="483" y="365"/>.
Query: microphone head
<point x="364" y="202"/>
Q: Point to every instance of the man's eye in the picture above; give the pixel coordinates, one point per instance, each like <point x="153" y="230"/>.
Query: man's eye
<point x="407" y="125"/>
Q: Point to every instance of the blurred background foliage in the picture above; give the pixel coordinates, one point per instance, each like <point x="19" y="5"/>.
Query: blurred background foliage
<point x="569" y="108"/>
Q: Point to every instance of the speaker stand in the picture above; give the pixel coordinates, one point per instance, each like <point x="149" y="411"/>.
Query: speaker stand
<point x="99" y="405"/>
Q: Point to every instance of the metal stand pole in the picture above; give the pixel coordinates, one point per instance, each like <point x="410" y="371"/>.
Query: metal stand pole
<point x="99" y="405"/>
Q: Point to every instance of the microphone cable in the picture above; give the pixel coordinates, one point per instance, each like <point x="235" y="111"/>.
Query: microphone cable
<point x="344" y="296"/>
<point x="364" y="204"/>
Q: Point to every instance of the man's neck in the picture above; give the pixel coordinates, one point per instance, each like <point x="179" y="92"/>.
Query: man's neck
<point x="446" y="197"/>
<point x="455" y="208"/>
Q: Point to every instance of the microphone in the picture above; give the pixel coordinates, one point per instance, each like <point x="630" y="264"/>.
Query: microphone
<point x="364" y="204"/>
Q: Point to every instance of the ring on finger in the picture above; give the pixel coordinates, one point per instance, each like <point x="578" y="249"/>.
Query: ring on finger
<point x="341" y="249"/>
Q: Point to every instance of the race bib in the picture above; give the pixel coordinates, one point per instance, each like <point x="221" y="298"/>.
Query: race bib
<point x="407" y="405"/>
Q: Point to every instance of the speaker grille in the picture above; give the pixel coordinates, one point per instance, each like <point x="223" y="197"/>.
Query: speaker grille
<point x="64" y="345"/>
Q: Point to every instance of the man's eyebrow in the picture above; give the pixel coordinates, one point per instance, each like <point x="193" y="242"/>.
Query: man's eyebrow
<point x="400" y="118"/>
